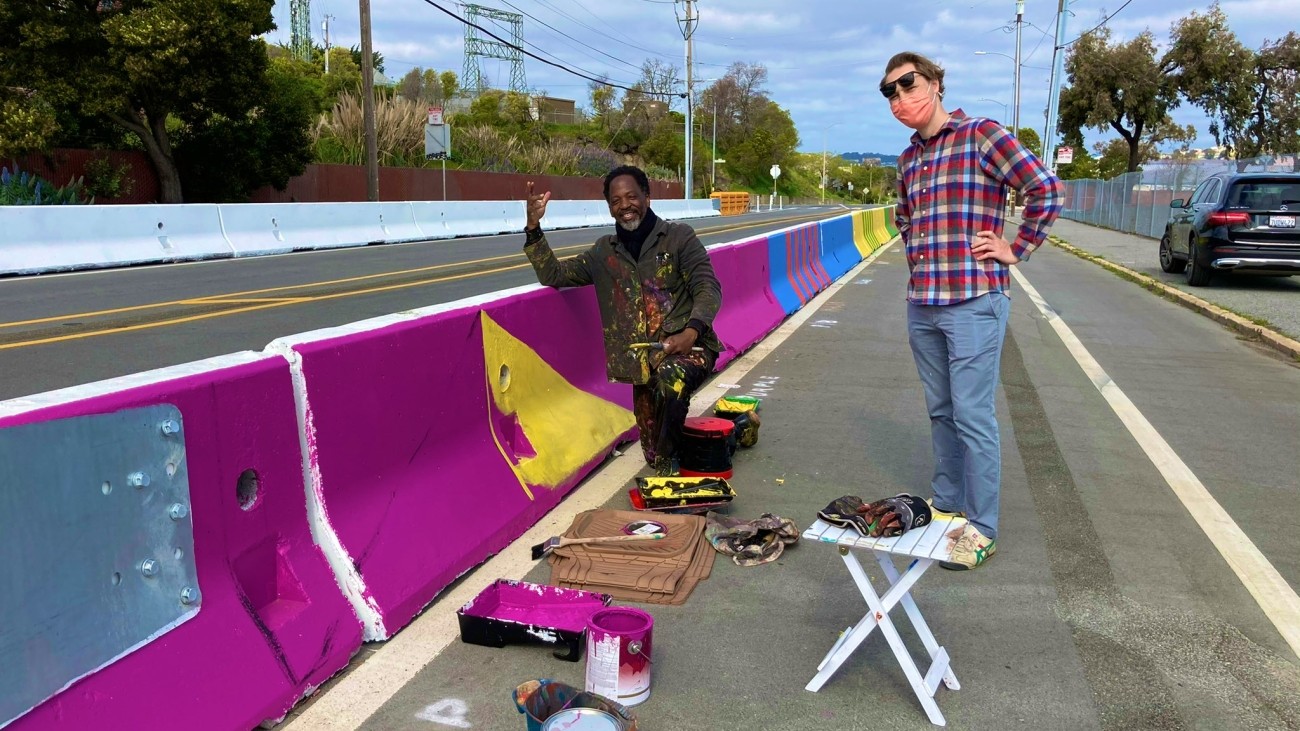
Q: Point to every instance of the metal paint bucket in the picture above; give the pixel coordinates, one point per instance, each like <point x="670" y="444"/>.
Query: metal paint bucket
<point x="582" y="719"/>
<point x="618" y="654"/>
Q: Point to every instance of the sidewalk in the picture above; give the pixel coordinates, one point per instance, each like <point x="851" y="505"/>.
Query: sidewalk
<point x="1051" y="634"/>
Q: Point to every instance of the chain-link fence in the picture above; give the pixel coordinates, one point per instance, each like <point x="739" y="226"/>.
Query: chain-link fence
<point x="1138" y="203"/>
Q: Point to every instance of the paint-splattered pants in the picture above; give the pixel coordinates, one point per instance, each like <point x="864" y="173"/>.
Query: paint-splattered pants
<point x="662" y="404"/>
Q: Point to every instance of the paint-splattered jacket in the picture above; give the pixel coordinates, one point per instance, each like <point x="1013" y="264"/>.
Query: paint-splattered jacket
<point x="640" y="301"/>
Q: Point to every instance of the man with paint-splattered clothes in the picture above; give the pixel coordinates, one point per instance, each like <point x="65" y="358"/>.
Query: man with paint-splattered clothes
<point x="654" y="284"/>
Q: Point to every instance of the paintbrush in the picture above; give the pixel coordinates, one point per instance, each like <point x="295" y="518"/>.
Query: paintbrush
<point x="550" y="544"/>
<point x="657" y="346"/>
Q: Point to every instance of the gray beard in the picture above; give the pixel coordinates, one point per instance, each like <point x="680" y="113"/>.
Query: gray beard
<point x="629" y="225"/>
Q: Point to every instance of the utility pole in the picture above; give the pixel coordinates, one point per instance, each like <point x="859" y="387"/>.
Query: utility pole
<point x="688" y="31"/>
<point x="325" y="25"/>
<point x="713" y="176"/>
<point x="1054" y="96"/>
<point x="368" y="105"/>
<point x="1020" y="20"/>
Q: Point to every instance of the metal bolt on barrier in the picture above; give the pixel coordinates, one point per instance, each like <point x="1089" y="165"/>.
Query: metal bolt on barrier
<point x="170" y="426"/>
<point x="189" y="595"/>
<point x="149" y="567"/>
<point x="138" y="479"/>
<point x="178" y="511"/>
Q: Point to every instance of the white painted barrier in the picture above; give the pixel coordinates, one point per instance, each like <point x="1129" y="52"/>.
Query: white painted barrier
<point x="576" y="214"/>
<point x="275" y="228"/>
<point x="445" y="219"/>
<point x="56" y="238"/>
<point x="397" y="222"/>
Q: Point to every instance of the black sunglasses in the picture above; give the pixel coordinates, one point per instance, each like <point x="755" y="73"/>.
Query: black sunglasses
<point x="906" y="81"/>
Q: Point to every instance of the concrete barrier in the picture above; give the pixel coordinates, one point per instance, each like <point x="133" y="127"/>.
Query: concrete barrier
<point x="839" y="254"/>
<point x="575" y="214"/>
<point x="397" y="223"/>
<point x="271" y="623"/>
<point x="58" y="238"/>
<point x="274" y="228"/>
<point x="796" y="271"/>
<point x="750" y="310"/>
<point x="447" y="219"/>
<point x="450" y="448"/>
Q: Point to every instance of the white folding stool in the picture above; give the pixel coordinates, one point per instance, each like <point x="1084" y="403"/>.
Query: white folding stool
<point x="924" y="546"/>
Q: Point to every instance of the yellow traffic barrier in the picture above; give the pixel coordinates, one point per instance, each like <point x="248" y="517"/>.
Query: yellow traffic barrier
<point x="732" y="203"/>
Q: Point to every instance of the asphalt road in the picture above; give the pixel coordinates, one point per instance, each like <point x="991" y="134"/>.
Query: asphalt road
<point x="1273" y="300"/>
<point x="70" y="329"/>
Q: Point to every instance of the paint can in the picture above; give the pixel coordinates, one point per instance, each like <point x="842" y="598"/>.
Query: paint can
<point x="618" y="654"/>
<point x="706" y="446"/>
<point x="582" y="719"/>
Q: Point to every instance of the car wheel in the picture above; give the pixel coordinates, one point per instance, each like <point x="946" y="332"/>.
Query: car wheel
<point x="1198" y="275"/>
<point x="1167" y="261"/>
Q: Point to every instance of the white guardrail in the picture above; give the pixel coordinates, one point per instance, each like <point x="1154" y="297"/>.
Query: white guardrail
<point x="40" y="239"/>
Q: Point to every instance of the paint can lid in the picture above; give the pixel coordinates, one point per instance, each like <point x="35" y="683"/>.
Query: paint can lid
<point x="582" y="719"/>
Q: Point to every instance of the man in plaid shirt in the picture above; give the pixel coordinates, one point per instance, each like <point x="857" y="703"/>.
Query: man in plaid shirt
<point x="953" y="184"/>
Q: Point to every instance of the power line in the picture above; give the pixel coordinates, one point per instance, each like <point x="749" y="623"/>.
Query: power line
<point x="530" y="54"/>
<point x="1104" y="21"/>
<point x="627" y="41"/>
<point x="566" y="35"/>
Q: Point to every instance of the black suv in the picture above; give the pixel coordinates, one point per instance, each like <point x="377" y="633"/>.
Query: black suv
<point x="1235" y="222"/>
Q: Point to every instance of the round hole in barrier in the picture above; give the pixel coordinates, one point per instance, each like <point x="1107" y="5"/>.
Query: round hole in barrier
<point x="247" y="489"/>
<point x="504" y="379"/>
<point x="117" y="578"/>
<point x="179" y="554"/>
<point x="106" y="488"/>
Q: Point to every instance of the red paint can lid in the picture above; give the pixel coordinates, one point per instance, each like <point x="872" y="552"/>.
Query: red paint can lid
<point x="709" y="425"/>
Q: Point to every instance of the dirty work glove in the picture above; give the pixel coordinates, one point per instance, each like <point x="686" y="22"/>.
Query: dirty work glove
<point x="896" y="515"/>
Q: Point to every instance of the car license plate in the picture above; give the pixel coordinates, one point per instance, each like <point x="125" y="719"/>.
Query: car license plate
<point x="1281" y="221"/>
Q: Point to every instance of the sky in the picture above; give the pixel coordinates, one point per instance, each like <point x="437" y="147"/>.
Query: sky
<point x="824" y="57"/>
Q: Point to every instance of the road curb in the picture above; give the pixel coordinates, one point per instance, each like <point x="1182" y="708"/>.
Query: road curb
<point x="1271" y="338"/>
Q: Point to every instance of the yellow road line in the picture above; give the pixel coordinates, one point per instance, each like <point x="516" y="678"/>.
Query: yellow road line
<point x="253" y="308"/>
<point x="267" y="303"/>
<point x="224" y="299"/>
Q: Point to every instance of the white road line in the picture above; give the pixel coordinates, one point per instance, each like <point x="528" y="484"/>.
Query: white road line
<point x="1271" y="591"/>
<point x="370" y="685"/>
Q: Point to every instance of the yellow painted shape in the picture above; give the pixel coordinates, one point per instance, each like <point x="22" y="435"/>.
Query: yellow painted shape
<point x="880" y="230"/>
<point x="859" y="234"/>
<point x="566" y="426"/>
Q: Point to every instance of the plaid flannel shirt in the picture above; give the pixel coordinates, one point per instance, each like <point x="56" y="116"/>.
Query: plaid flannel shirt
<point x="954" y="185"/>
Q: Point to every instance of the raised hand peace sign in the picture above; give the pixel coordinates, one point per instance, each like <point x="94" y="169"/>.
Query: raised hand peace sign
<point x="536" y="206"/>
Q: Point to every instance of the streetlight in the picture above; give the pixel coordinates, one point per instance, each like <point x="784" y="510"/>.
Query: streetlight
<point x="995" y="101"/>
<point x="1015" y="117"/>
<point x="824" y="131"/>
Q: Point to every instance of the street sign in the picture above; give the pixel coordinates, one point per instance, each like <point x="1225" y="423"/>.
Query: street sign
<point x="775" y="171"/>
<point x="435" y="116"/>
<point x="1064" y="155"/>
<point x="437" y="141"/>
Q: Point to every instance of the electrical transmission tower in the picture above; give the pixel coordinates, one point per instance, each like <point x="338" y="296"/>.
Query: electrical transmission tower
<point x="300" y="29"/>
<point x="476" y="47"/>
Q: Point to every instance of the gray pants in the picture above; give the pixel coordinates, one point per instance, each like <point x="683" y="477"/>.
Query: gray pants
<point x="958" y="351"/>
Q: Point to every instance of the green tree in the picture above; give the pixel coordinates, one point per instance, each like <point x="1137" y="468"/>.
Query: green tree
<point x="140" y="64"/>
<point x="773" y="141"/>
<point x="344" y="76"/>
<point x="223" y="159"/>
<point x="1213" y="71"/>
<point x="376" y="58"/>
<point x="450" y="84"/>
<point x="1084" y="166"/>
<point x="666" y="145"/>
<point x="1115" y="87"/>
<point x="1028" y="137"/>
<point x="27" y="122"/>
<point x="1114" y="157"/>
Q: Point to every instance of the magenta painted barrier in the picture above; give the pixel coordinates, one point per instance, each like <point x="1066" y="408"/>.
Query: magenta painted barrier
<point x="272" y="623"/>
<point x="418" y="469"/>
<point x="750" y="310"/>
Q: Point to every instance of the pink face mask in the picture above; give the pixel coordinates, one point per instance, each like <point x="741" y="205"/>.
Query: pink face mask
<point x="914" y="111"/>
